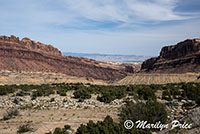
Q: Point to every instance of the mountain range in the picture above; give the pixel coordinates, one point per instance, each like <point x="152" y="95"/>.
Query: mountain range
<point x="110" y="57"/>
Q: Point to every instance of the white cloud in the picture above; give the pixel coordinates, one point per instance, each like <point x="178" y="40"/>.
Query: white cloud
<point x="156" y="11"/>
<point x="147" y="41"/>
<point x="101" y="10"/>
<point x="128" y="11"/>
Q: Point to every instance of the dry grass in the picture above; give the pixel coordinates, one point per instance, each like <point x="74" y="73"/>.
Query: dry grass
<point x="158" y="78"/>
<point x="8" y="78"/>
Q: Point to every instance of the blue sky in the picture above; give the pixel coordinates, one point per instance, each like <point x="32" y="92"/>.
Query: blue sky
<point x="139" y="27"/>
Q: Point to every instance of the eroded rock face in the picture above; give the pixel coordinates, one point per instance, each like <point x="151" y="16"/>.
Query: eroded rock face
<point x="180" y="58"/>
<point x="31" y="56"/>
<point x="40" y="47"/>
<point x="13" y="42"/>
<point x="182" y="49"/>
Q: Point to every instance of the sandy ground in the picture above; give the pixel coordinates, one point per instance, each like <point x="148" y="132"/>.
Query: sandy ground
<point x="44" y="121"/>
<point x="8" y="78"/>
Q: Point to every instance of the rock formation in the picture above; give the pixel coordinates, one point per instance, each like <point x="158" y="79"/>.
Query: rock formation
<point x="180" y="58"/>
<point x="27" y="55"/>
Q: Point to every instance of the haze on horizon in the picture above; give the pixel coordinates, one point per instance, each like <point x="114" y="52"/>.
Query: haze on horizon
<point x="128" y="27"/>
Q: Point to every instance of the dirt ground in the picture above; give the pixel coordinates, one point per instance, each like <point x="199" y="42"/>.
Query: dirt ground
<point x="43" y="121"/>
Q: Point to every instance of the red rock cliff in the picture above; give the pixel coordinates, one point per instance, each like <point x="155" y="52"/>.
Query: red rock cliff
<point x="180" y="58"/>
<point x="27" y="55"/>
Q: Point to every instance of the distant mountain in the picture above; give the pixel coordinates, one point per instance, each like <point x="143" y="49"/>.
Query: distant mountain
<point x="180" y="58"/>
<point x="109" y="57"/>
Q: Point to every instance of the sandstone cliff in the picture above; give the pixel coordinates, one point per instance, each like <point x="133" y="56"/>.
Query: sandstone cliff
<point x="30" y="56"/>
<point x="180" y="58"/>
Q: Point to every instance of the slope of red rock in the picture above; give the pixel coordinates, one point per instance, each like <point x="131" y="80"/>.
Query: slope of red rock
<point x="27" y="55"/>
<point x="180" y="58"/>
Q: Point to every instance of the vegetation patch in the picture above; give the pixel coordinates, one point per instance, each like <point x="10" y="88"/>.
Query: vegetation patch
<point x="24" y="128"/>
<point x="150" y="111"/>
<point x="61" y="130"/>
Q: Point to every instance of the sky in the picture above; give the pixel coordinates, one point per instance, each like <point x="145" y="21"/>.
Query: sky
<point x="129" y="27"/>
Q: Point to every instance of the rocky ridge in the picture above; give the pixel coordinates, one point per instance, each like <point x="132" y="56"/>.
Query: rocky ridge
<point x="30" y="56"/>
<point x="180" y="58"/>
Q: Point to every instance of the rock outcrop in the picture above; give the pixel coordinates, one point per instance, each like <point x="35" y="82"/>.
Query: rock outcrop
<point x="180" y="58"/>
<point x="30" y="56"/>
<point x="26" y="44"/>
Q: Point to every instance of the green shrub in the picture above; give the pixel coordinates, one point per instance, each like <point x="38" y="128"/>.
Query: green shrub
<point x="24" y="128"/>
<point x="42" y="92"/>
<point x="52" y="99"/>
<point x="3" y="91"/>
<point x="6" y="89"/>
<point x="82" y="94"/>
<point x="175" y="92"/>
<point x="146" y="93"/>
<point x="61" y="92"/>
<point x="22" y="93"/>
<point x="109" y="95"/>
<point x="67" y="127"/>
<point x="62" y="130"/>
<point x="191" y="91"/>
<point x="106" y="97"/>
<point x="166" y="95"/>
<point x="101" y="127"/>
<point x="151" y="111"/>
<point x="107" y="126"/>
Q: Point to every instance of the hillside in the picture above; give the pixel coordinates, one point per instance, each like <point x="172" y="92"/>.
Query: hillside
<point x="30" y="56"/>
<point x="180" y="58"/>
<point x="147" y="79"/>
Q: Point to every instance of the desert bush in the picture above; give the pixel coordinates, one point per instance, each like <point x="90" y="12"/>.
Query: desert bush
<point x="175" y="92"/>
<point x="62" y="89"/>
<point x="146" y="93"/>
<point x="42" y="92"/>
<point x="191" y="91"/>
<point x="62" y="130"/>
<point x="151" y="111"/>
<point x="2" y="91"/>
<point x="166" y="95"/>
<point x="106" y="97"/>
<point x="67" y="127"/>
<point x="6" y="89"/>
<point x="61" y="92"/>
<point x="82" y="94"/>
<point x="52" y="99"/>
<point x="109" y="95"/>
<point x="24" y="128"/>
<point x="22" y="93"/>
<point x="108" y="126"/>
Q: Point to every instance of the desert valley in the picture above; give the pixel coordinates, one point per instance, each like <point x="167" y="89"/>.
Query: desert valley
<point x="45" y="92"/>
